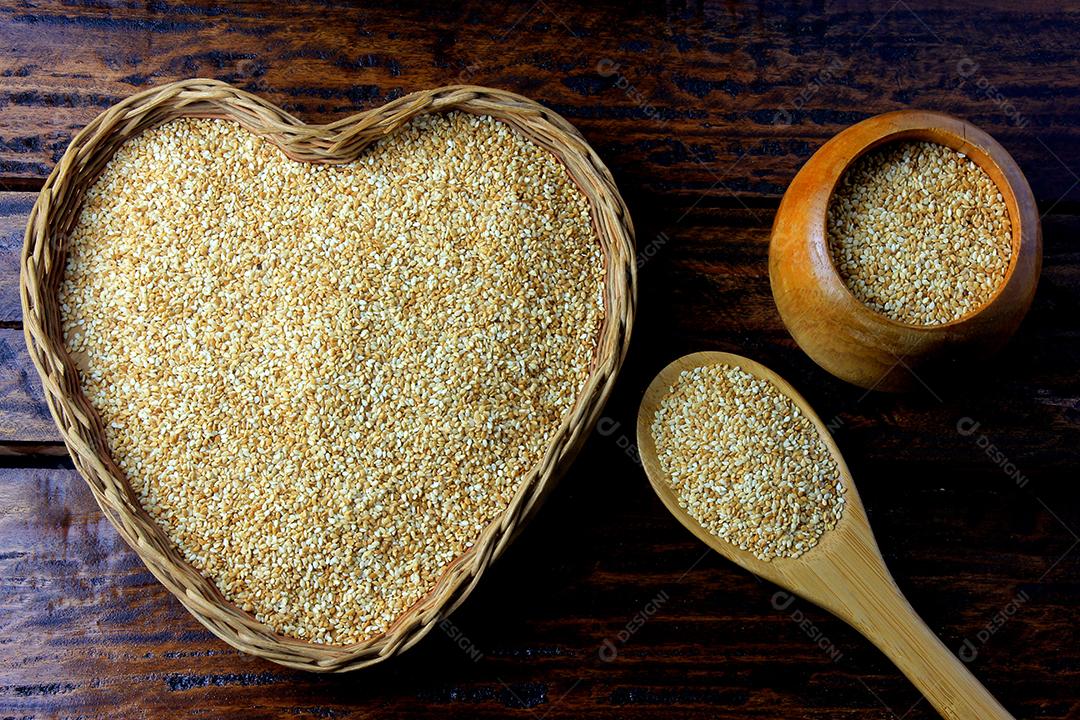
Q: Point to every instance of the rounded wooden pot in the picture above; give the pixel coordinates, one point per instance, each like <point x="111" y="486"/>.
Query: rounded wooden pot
<point x="848" y="338"/>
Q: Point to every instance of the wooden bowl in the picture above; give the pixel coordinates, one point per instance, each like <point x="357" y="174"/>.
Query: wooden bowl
<point x="848" y="338"/>
<point x="42" y="267"/>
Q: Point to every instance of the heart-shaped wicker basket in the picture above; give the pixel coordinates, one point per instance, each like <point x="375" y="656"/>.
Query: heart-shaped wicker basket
<point x="42" y="267"/>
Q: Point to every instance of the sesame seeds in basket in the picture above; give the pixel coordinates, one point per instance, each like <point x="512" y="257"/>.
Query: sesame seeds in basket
<point x="336" y="388"/>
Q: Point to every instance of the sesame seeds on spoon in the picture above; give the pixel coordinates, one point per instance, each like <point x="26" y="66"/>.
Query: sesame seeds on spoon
<point x="762" y="479"/>
<point x="839" y="566"/>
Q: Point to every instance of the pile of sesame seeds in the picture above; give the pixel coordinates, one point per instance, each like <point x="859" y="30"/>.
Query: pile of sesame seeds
<point x="919" y="232"/>
<point x="324" y="381"/>
<point x="746" y="463"/>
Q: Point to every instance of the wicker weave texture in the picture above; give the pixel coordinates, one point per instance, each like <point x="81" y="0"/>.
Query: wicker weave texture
<point x="42" y="266"/>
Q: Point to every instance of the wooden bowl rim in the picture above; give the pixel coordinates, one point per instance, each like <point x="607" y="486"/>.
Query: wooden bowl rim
<point x="41" y="268"/>
<point x="931" y="126"/>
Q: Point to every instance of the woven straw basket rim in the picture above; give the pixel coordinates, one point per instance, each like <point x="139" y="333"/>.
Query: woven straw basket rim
<point x="42" y="266"/>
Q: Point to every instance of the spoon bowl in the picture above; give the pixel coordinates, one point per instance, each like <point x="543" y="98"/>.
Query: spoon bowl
<point x="843" y="573"/>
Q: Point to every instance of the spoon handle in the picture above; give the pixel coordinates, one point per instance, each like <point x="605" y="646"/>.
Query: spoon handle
<point x="896" y="629"/>
<point x="871" y="601"/>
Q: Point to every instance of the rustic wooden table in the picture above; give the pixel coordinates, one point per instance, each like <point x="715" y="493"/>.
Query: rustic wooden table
<point x="605" y="607"/>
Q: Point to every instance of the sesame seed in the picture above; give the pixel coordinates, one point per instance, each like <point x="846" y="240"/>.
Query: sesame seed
<point x="325" y="381"/>
<point x="746" y="463"/>
<point x="919" y="232"/>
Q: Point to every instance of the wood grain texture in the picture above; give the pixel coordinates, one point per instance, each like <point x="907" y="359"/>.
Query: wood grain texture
<point x="25" y="417"/>
<point x="87" y="631"/>
<point x="711" y="109"/>
<point x="681" y="98"/>
<point x="14" y="209"/>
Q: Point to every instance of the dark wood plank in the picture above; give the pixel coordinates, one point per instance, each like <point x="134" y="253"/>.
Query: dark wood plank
<point x="87" y="631"/>
<point x="24" y="416"/>
<point x="717" y="98"/>
<point x="14" y="209"/>
<point x="704" y="112"/>
<point x="26" y="428"/>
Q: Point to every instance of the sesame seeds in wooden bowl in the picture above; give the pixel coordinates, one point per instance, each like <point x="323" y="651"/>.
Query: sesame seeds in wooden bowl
<point x="907" y="245"/>
<point x="318" y="390"/>
<point x="919" y="232"/>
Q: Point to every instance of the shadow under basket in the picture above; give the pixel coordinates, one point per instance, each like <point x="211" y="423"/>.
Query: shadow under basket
<point x="42" y="267"/>
<point x="855" y="342"/>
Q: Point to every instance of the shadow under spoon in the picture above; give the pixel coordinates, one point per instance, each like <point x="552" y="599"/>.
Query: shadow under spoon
<point x="843" y="573"/>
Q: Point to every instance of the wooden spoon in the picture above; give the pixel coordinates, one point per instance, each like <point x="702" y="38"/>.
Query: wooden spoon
<point x="844" y="573"/>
